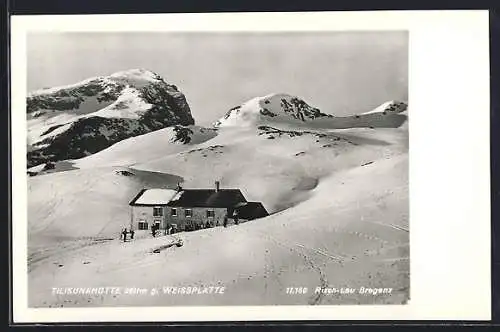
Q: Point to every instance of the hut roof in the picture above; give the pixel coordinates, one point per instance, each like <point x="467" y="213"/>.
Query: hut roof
<point x="153" y="197"/>
<point x="207" y="198"/>
<point x="251" y="210"/>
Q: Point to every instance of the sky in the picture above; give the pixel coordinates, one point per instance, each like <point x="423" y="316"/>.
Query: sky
<point x="340" y="73"/>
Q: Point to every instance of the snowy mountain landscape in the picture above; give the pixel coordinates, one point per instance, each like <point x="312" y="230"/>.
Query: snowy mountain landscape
<point x="81" y="119"/>
<point x="336" y="188"/>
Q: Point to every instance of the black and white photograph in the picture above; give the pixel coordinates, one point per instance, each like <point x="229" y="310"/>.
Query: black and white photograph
<point x="171" y="167"/>
<point x="217" y="168"/>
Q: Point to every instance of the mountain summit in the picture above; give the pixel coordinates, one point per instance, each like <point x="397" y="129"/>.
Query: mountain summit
<point x="292" y="111"/>
<point x="77" y="120"/>
<point x="276" y="107"/>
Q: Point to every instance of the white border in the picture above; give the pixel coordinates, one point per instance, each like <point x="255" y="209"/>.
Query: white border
<point x="449" y="161"/>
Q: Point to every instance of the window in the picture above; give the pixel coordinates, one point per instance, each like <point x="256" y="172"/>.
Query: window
<point x="188" y="213"/>
<point x="157" y="212"/>
<point x="173" y="212"/>
<point x="142" y="225"/>
<point x="210" y="214"/>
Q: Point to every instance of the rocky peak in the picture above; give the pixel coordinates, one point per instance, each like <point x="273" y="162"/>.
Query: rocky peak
<point x="76" y="120"/>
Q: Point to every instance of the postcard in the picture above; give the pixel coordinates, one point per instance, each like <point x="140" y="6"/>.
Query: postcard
<point x="251" y="166"/>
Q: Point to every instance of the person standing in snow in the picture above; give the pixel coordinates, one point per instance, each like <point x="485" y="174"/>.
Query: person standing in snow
<point x="132" y="234"/>
<point x="124" y="233"/>
<point x="225" y="221"/>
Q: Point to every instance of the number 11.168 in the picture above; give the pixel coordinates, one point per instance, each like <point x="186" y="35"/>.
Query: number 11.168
<point x="296" y="290"/>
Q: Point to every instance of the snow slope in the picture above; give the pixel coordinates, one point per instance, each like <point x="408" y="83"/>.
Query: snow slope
<point x="275" y="166"/>
<point x="90" y="203"/>
<point x="338" y="198"/>
<point x="351" y="232"/>
<point x="149" y="146"/>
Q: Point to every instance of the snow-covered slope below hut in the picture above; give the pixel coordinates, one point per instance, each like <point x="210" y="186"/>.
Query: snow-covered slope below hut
<point x="351" y="232"/>
<point x="86" y="203"/>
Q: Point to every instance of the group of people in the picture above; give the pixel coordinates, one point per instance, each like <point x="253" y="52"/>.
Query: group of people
<point x="125" y="232"/>
<point x="170" y="229"/>
<point x="154" y="228"/>
<point x="194" y="226"/>
<point x="235" y="218"/>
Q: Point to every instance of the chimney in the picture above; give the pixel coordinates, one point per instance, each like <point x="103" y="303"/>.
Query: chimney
<point x="217" y="186"/>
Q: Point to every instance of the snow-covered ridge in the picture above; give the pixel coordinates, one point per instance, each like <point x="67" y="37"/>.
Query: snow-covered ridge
<point x="275" y="107"/>
<point x="132" y="76"/>
<point x="286" y="110"/>
<point x="392" y="106"/>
